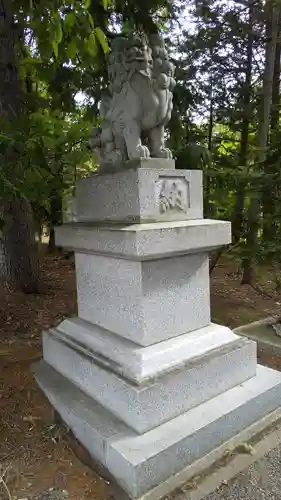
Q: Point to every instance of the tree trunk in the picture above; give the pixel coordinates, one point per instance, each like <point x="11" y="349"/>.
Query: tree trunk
<point x="261" y="142"/>
<point x="18" y="239"/>
<point x="55" y="218"/>
<point x="207" y="192"/>
<point x="238" y="211"/>
<point x="19" y="246"/>
<point x="271" y="189"/>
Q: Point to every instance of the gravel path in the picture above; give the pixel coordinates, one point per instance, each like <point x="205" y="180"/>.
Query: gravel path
<point x="262" y="481"/>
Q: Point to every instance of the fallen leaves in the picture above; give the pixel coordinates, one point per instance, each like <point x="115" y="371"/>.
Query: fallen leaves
<point x="30" y="419"/>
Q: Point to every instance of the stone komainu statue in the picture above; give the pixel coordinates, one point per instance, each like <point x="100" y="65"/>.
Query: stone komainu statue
<point x="139" y="106"/>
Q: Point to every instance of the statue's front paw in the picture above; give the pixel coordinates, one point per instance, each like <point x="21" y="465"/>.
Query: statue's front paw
<point x="164" y="153"/>
<point x="142" y="152"/>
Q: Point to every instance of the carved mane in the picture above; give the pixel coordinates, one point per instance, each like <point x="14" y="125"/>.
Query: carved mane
<point x="128" y="56"/>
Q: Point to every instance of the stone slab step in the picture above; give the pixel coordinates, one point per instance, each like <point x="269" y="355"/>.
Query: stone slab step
<point x="139" y="463"/>
<point x="145" y="406"/>
<point x="149" y="241"/>
<point x="135" y="362"/>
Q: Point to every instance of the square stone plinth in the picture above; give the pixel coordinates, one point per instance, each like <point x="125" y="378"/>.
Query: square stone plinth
<point x="141" y="195"/>
<point x="145" y="302"/>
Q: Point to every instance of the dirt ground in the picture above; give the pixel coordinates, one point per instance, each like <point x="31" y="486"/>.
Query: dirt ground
<point x="35" y="454"/>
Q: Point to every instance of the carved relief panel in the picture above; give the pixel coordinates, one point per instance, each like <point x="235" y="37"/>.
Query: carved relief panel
<point x="172" y="195"/>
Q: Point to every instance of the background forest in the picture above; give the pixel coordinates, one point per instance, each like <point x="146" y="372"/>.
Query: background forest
<point x="226" y="117"/>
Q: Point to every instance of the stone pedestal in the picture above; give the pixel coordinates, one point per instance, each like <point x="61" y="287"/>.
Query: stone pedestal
<point x="142" y="377"/>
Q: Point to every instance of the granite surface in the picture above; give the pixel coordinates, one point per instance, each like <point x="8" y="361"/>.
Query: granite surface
<point x="145" y="241"/>
<point x="145" y="302"/>
<point x="144" y="407"/>
<point x="140" y="462"/>
<point x="135" y="362"/>
<point x="141" y="195"/>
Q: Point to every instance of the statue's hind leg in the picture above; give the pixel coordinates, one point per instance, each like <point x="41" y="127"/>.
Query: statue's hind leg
<point x="158" y="149"/>
<point x="120" y="146"/>
<point x="135" y="148"/>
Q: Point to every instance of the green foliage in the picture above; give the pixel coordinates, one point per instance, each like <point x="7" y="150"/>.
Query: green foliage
<point x="61" y="51"/>
<point x="100" y="36"/>
<point x="61" y="48"/>
<point x="219" y="68"/>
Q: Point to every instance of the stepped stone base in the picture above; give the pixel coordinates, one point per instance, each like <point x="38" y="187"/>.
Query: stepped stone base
<point x="157" y="399"/>
<point x="141" y="462"/>
<point x="140" y="364"/>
